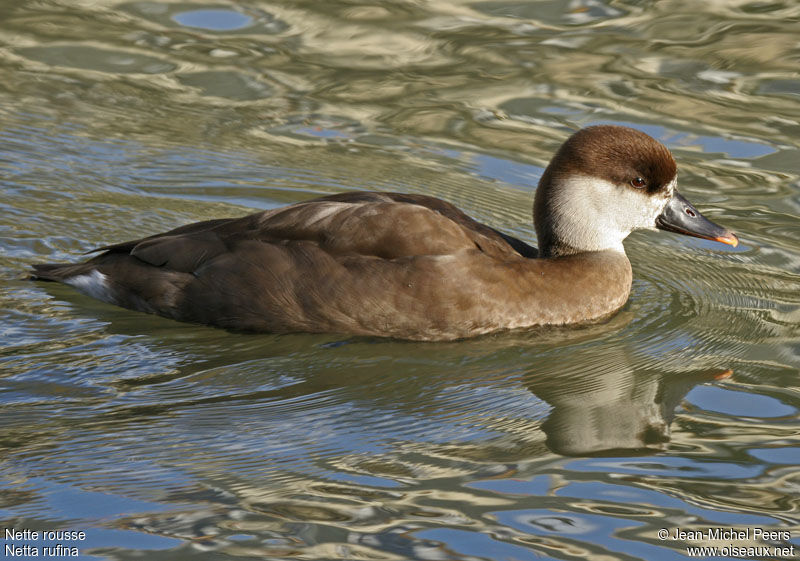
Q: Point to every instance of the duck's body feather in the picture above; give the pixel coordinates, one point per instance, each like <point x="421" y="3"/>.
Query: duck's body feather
<point x="388" y="264"/>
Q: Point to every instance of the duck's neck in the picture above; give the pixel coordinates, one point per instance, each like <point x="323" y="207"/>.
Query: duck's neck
<point x="550" y="247"/>
<point x="575" y="288"/>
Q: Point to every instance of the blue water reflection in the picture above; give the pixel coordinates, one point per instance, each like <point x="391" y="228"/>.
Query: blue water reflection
<point x="214" y="20"/>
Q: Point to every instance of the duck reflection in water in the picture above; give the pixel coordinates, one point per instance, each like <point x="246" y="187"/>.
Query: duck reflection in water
<point x="612" y="409"/>
<point x="604" y="400"/>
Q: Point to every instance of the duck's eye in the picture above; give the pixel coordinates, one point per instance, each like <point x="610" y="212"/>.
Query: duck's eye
<point x="638" y="182"/>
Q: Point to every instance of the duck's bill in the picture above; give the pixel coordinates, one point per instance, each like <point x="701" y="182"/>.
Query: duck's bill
<point x="680" y="216"/>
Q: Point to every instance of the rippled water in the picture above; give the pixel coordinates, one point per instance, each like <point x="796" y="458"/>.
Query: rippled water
<point x="173" y="441"/>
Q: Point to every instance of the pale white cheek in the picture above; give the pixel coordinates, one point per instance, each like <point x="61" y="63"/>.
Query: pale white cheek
<point x="590" y="215"/>
<point x="595" y="214"/>
<point x="94" y="284"/>
<point x="652" y="206"/>
<point x="643" y="210"/>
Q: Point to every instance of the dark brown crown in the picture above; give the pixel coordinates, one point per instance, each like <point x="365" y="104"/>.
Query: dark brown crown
<point x="616" y="154"/>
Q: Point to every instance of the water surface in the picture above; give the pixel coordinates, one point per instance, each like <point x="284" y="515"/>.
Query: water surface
<point x="172" y="441"/>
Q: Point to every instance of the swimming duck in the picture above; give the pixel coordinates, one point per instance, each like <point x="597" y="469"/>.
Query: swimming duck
<point x="409" y="266"/>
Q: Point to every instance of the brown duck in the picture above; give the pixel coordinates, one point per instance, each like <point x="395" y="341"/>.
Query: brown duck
<point x="409" y="266"/>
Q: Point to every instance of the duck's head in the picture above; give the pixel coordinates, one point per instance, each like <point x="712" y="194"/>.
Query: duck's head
<point x="603" y="183"/>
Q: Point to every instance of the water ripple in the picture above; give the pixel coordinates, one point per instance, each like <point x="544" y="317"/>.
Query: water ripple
<point x="188" y="442"/>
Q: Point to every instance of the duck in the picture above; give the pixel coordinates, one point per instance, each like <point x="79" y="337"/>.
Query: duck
<point x="409" y="266"/>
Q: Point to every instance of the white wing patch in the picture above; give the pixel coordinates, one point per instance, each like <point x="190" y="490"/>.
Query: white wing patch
<point x="324" y="210"/>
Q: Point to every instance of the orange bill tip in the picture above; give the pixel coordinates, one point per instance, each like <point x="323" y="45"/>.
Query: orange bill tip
<point x="729" y="238"/>
<point x="723" y="375"/>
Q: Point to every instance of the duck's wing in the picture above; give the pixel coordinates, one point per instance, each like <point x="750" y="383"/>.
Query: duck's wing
<point x="385" y="225"/>
<point x="390" y="225"/>
<point x="486" y="238"/>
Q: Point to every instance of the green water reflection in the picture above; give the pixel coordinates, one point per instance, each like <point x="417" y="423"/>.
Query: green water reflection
<point x="181" y="442"/>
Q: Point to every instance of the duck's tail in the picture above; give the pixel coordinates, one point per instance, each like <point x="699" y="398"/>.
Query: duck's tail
<point x="58" y="272"/>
